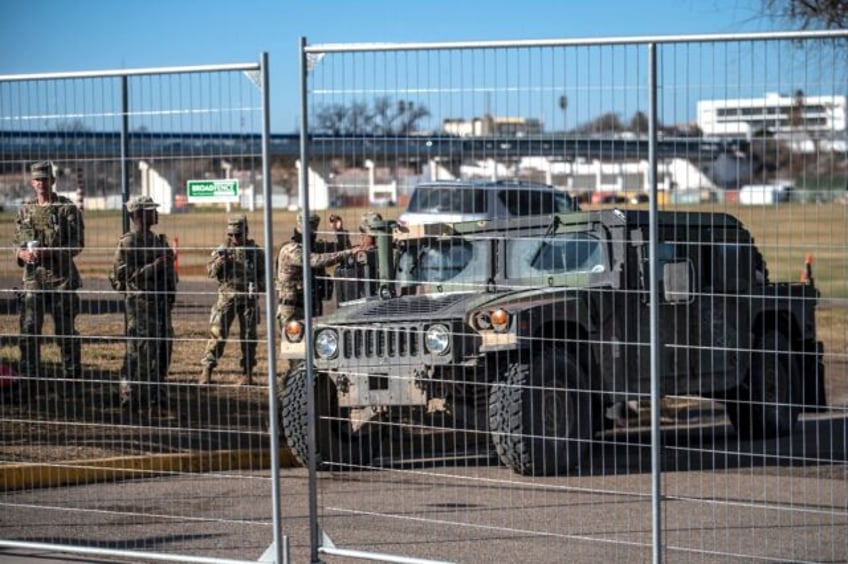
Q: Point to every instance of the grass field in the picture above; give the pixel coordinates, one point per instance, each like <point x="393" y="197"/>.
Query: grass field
<point x="785" y="234"/>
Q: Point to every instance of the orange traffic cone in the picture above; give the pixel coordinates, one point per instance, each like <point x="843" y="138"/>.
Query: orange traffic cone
<point x="807" y="273"/>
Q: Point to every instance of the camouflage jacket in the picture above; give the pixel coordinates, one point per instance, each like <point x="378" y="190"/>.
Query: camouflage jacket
<point x="144" y="263"/>
<point x="243" y="266"/>
<point x="289" y="280"/>
<point x="59" y="229"/>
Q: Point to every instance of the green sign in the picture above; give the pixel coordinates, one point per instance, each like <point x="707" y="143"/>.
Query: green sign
<point x="212" y="191"/>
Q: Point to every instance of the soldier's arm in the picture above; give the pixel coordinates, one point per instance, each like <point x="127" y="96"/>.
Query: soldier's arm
<point x="289" y="255"/>
<point x="162" y="267"/>
<point x="76" y="230"/>
<point x="320" y="260"/>
<point x="118" y="276"/>
<point x="22" y="236"/>
<point x="171" y="276"/>
<point x="215" y="267"/>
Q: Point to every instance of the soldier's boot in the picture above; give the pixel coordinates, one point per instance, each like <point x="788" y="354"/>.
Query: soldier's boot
<point x="206" y="375"/>
<point x="246" y="378"/>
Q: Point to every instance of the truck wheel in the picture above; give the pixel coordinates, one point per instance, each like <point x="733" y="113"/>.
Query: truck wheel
<point x="540" y="414"/>
<point x="766" y="405"/>
<point x="338" y="446"/>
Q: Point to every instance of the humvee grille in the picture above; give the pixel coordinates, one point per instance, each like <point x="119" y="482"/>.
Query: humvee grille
<point x="380" y="342"/>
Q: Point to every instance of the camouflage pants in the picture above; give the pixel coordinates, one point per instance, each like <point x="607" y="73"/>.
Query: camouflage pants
<point x="149" y="348"/>
<point x="63" y="306"/>
<point x="224" y="312"/>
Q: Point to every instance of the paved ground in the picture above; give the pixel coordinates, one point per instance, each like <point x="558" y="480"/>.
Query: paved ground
<point x="726" y="500"/>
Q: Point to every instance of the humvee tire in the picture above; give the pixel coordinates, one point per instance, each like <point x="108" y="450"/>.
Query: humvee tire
<point x="541" y="414"/>
<point x="338" y="446"/>
<point x="767" y="405"/>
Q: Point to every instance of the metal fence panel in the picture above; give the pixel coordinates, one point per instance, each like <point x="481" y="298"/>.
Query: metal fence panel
<point x="112" y="136"/>
<point x="494" y="390"/>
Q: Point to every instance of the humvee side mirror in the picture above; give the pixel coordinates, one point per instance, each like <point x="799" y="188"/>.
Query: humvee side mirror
<point x="677" y="282"/>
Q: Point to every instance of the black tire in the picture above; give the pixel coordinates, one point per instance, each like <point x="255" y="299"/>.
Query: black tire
<point x="767" y="404"/>
<point x="540" y="414"/>
<point x="338" y="446"/>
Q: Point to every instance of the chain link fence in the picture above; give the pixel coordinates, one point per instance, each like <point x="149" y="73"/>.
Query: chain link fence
<point x="660" y="376"/>
<point x="490" y="375"/>
<point x="148" y="206"/>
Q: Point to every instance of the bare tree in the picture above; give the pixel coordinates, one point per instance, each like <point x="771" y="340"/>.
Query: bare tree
<point x="331" y="119"/>
<point x="639" y="122"/>
<point x="384" y="118"/>
<point x="605" y="123"/>
<point x="72" y="126"/>
<point x="409" y="116"/>
<point x="809" y="14"/>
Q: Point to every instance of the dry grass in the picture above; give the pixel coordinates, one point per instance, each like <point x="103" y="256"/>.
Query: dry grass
<point x="786" y="234"/>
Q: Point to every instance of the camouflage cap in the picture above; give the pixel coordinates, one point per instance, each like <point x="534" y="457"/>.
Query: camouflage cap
<point x="237" y="225"/>
<point x="42" y="170"/>
<point x="141" y="203"/>
<point x="370" y="221"/>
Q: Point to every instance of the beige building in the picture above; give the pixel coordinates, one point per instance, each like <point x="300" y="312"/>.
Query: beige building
<point x="492" y="125"/>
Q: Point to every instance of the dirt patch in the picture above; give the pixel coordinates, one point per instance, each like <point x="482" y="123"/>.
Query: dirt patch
<point x="53" y="425"/>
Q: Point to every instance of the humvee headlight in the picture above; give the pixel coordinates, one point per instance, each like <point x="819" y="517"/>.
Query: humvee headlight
<point x="327" y="343"/>
<point x="500" y="319"/>
<point x="294" y="331"/>
<point x="437" y="339"/>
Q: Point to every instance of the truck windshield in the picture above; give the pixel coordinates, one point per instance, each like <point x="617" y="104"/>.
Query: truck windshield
<point x="456" y="261"/>
<point x="560" y="254"/>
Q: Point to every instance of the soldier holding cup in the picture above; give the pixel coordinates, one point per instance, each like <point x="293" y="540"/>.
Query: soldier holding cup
<point x="49" y="233"/>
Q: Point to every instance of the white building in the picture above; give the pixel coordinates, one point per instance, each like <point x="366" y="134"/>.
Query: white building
<point x="619" y="176"/>
<point x="811" y="116"/>
<point x="493" y="125"/>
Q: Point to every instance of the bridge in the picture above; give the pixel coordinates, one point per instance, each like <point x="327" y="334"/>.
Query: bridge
<point x="18" y="146"/>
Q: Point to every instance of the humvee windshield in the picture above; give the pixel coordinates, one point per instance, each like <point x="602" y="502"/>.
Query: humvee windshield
<point x="454" y="260"/>
<point x="559" y="254"/>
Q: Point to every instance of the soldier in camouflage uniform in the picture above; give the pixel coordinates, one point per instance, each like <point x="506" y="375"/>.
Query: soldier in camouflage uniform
<point x="289" y="282"/>
<point x="239" y="268"/>
<point x="143" y="269"/>
<point x="49" y="233"/>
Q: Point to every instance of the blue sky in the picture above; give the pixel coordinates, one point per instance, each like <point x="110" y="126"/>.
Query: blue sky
<point x="65" y="35"/>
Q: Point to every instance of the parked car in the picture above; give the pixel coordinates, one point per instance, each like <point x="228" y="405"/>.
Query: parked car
<point x="474" y="200"/>
<point x="765" y="194"/>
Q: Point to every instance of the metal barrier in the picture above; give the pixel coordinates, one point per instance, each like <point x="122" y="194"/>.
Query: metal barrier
<point x="94" y="403"/>
<point x="644" y="379"/>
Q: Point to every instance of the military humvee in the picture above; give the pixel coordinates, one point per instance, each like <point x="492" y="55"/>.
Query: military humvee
<point x="525" y="329"/>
